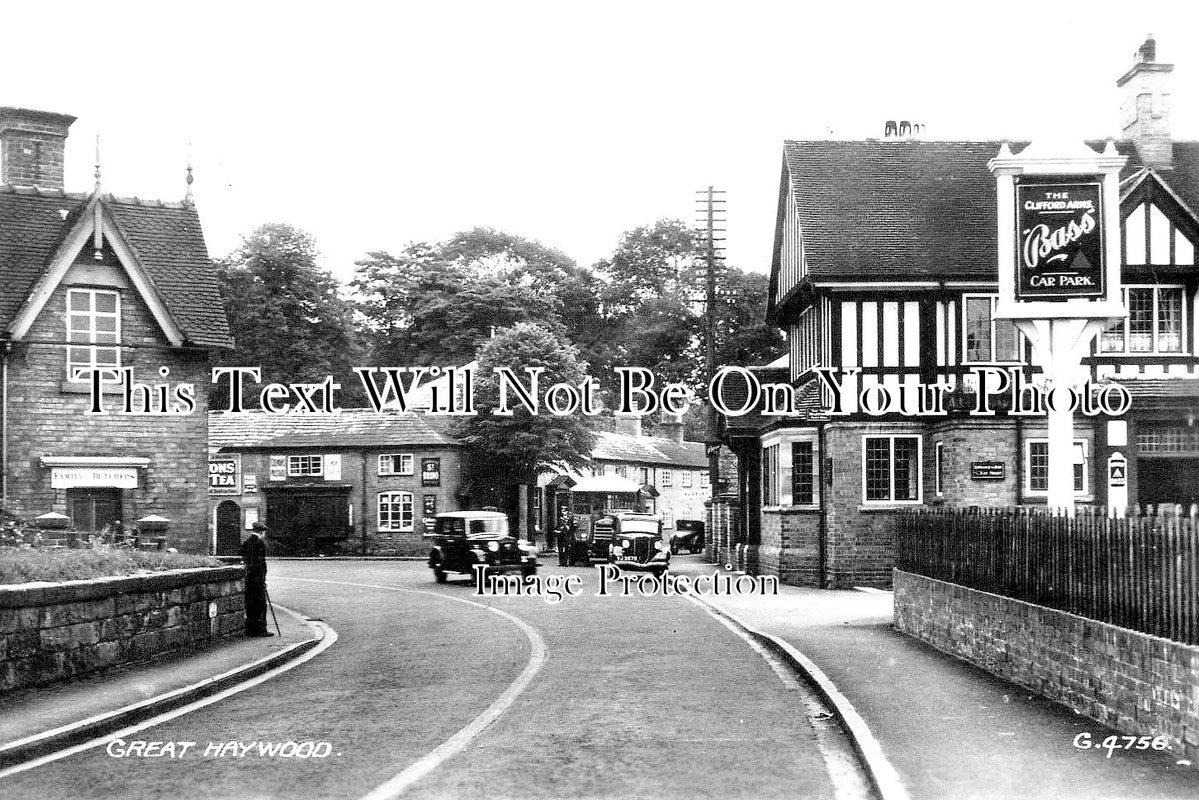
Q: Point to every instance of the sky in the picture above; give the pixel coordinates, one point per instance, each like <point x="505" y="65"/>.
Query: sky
<point x="375" y="125"/>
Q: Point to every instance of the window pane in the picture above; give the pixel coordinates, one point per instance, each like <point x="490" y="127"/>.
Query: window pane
<point x="80" y="301"/>
<point x="978" y="329"/>
<point x="801" y="473"/>
<point x="1006" y="341"/>
<point x="1112" y="339"/>
<point x="106" y="303"/>
<point x="1169" y="320"/>
<point x="878" y="469"/>
<point x="1038" y="466"/>
<point x="106" y="324"/>
<point x="1140" y="320"/>
<point x="106" y="356"/>
<point x="907" y="469"/>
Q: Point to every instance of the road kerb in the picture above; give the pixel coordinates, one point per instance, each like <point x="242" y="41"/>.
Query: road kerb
<point x="882" y="775"/>
<point x="38" y="745"/>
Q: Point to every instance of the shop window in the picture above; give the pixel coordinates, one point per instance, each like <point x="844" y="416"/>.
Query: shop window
<point x="770" y="475"/>
<point x="395" y="464"/>
<point x="1167" y="439"/>
<point x="93" y="332"/>
<point x="93" y="509"/>
<point x="395" y="511"/>
<point x="305" y="466"/>
<point x="988" y="340"/>
<point x="1156" y="322"/>
<point x="891" y="469"/>
<point x="1037" y="466"/>
<point x="803" y="477"/>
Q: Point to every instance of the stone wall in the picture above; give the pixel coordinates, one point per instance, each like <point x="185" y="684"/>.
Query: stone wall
<point x="1138" y="684"/>
<point x="55" y="632"/>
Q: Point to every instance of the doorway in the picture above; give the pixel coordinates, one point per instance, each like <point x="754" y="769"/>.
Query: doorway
<point x="1168" y="480"/>
<point x="93" y="509"/>
<point x="228" y="528"/>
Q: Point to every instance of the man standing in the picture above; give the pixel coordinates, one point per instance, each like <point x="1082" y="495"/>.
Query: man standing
<point x="253" y="555"/>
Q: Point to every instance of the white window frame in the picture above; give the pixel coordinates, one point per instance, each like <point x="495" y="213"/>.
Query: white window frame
<point x="1080" y="446"/>
<point x="938" y="468"/>
<point x="79" y="371"/>
<point x="891" y="437"/>
<point x="389" y="459"/>
<point x="965" y="328"/>
<point x="688" y="478"/>
<point x="666" y="476"/>
<point x="385" y="499"/>
<point x="295" y="470"/>
<point x="785" y="468"/>
<point x="705" y="480"/>
<point x="1155" y="330"/>
<point x="771" y="469"/>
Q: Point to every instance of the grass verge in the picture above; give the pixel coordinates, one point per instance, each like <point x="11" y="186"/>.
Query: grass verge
<point x="26" y="565"/>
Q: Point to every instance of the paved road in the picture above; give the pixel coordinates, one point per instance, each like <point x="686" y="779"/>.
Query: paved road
<point x="637" y="697"/>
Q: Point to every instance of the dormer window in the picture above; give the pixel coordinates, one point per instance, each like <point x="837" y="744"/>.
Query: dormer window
<point x="93" y="332"/>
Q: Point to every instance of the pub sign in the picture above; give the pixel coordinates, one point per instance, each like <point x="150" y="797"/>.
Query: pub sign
<point x="1059" y="239"/>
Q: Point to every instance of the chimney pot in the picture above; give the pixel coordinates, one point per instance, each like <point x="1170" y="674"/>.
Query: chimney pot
<point x="1145" y="107"/>
<point x="890" y="129"/>
<point x="32" y="144"/>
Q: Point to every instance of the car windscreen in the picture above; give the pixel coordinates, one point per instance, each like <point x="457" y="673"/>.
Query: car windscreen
<point x="484" y="527"/>
<point x="639" y="526"/>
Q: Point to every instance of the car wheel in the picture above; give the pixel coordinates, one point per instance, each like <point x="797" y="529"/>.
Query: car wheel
<point x="439" y="574"/>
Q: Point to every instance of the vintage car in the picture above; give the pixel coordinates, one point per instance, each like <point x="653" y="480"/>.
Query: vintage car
<point x="462" y="539"/>
<point x="636" y="541"/>
<point x="688" y="535"/>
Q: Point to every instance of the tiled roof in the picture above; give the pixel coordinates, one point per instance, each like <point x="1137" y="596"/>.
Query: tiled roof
<point x="1152" y="388"/>
<point x="625" y="447"/>
<point x="165" y="237"/>
<point x="895" y="208"/>
<point x="349" y="428"/>
<point x="808" y="404"/>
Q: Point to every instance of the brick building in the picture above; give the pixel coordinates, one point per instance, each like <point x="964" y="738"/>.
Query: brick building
<point x="355" y="482"/>
<point x="93" y="281"/>
<point x="885" y="262"/>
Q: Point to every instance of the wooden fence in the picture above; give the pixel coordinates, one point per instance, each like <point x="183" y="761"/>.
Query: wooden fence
<point x="1139" y="572"/>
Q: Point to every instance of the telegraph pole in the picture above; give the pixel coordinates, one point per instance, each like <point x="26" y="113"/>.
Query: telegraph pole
<point x="710" y="207"/>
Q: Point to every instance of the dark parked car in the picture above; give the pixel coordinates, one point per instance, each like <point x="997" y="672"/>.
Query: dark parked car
<point x="462" y="539"/>
<point x="688" y="535"/>
<point x="636" y="541"/>
<point x="587" y="543"/>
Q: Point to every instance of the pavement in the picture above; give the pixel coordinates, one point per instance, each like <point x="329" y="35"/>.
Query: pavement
<point x="949" y="729"/>
<point x="37" y="721"/>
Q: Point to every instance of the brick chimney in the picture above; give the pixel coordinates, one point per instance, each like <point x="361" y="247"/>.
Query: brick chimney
<point x="628" y="424"/>
<point x="1145" y="107"/>
<point x="31" y="147"/>
<point x="671" y="427"/>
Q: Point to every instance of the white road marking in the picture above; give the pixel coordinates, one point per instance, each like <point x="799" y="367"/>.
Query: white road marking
<point x="330" y="636"/>
<point x="456" y="743"/>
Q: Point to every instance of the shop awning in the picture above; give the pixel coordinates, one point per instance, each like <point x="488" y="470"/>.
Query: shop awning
<point x="606" y="483"/>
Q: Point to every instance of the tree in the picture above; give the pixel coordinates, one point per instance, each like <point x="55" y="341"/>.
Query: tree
<point x="286" y="313"/>
<point x="520" y="446"/>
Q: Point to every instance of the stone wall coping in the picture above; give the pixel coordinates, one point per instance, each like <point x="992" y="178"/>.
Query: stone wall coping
<point x="1088" y="620"/>
<point x="44" y="593"/>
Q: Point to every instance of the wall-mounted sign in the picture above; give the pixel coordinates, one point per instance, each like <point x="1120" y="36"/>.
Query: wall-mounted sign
<point x="430" y="472"/>
<point x="224" y="474"/>
<point x="333" y="467"/>
<point x="1059" y="239"/>
<point x="430" y="507"/>
<point x="988" y="470"/>
<point x="278" y="468"/>
<point x="249" y="484"/>
<point x="1117" y="471"/>
<point x="112" y="477"/>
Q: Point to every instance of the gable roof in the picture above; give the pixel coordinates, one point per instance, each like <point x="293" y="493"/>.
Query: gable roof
<point x="610" y="446"/>
<point x="358" y="427"/>
<point x="165" y="238"/>
<point x="915" y="209"/>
